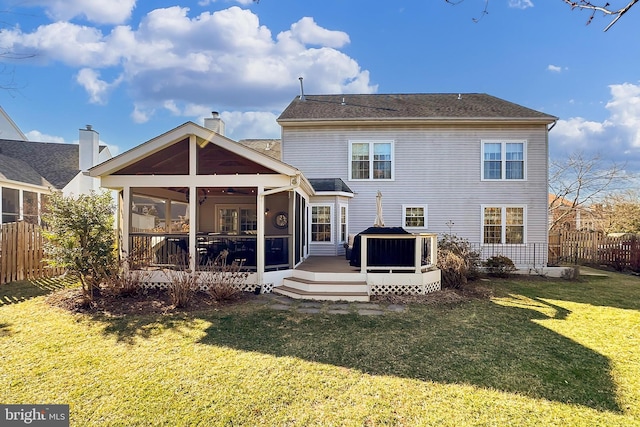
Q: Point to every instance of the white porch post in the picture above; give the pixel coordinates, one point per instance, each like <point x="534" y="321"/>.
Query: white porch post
<point x="260" y="247"/>
<point x="193" y="193"/>
<point x="126" y="218"/>
<point x="418" y="253"/>
<point x="363" y="253"/>
<point x="434" y="249"/>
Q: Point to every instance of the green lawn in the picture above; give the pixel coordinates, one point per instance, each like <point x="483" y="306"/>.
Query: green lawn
<point x="542" y="352"/>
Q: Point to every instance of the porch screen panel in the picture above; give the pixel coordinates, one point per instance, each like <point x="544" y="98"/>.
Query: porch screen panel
<point x="30" y="207"/>
<point x="10" y="205"/>
<point x="299" y="229"/>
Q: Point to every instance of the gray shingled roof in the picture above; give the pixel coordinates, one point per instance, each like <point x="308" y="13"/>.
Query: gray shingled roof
<point x="270" y="147"/>
<point x="438" y="106"/>
<point x="329" y="184"/>
<point x="39" y="163"/>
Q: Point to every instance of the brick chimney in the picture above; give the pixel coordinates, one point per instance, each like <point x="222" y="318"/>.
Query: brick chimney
<point x="214" y="123"/>
<point x="88" y="151"/>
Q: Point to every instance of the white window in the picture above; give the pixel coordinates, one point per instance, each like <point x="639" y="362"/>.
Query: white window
<point x="234" y="219"/>
<point x="343" y="224"/>
<point x="414" y="216"/>
<point x="321" y="223"/>
<point x="503" y="225"/>
<point x="370" y="160"/>
<point x="503" y="160"/>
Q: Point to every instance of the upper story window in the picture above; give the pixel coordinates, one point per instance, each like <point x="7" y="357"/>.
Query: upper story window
<point x="503" y="160"/>
<point x="370" y="160"/>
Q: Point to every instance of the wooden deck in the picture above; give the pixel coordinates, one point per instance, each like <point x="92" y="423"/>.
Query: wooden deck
<point x="327" y="264"/>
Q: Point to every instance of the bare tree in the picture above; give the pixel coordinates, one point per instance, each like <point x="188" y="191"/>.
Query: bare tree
<point x="605" y="8"/>
<point x="622" y="212"/>
<point x="579" y="182"/>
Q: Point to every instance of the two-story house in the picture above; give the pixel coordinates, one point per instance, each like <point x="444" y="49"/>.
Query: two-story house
<point x="468" y="164"/>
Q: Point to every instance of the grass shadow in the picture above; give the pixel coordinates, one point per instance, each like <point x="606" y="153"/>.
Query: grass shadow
<point x="480" y="344"/>
<point x="5" y="329"/>
<point x="17" y="292"/>
<point x="609" y="289"/>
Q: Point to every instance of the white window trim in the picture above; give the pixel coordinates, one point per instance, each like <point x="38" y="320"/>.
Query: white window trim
<point x="503" y="230"/>
<point x="503" y="160"/>
<point x="346" y="224"/>
<point x="237" y="208"/>
<point x="371" y="142"/>
<point x="332" y="223"/>
<point x="404" y="216"/>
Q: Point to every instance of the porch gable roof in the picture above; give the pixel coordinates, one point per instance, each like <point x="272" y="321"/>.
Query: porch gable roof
<point x="203" y="136"/>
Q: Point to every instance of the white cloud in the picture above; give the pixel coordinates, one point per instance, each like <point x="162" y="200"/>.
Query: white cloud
<point x="308" y="32"/>
<point x="554" y="68"/>
<point x="616" y="138"/>
<point x="96" y="88"/>
<point x="98" y="11"/>
<point x="37" y="136"/>
<point x="141" y="114"/>
<point x="238" y="124"/>
<point x="520" y="4"/>
<point x="625" y="109"/>
<point x="225" y="59"/>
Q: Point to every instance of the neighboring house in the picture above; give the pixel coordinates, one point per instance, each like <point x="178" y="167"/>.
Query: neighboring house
<point x="471" y="165"/>
<point x="564" y="216"/>
<point x="29" y="171"/>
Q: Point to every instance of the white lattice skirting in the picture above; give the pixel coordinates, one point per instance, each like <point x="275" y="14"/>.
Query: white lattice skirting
<point x="245" y="287"/>
<point x="391" y="289"/>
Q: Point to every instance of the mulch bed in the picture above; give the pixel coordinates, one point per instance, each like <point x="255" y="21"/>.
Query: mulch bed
<point x="157" y="302"/>
<point x="144" y="302"/>
<point x="442" y="297"/>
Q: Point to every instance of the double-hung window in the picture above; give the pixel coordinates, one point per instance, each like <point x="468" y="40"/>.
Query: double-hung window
<point x="414" y="216"/>
<point x="503" y="160"/>
<point x="503" y="225"/>
<point x="371" y="160"/>
<point x="321" y="223"/>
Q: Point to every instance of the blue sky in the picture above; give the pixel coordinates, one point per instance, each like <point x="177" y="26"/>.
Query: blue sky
<point x="135" y="69"/>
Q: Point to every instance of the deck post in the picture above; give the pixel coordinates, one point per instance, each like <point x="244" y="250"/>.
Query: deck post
<point x="434" y="249"/>
<point x="417" y="261"/>
<point x="363" y="253"/>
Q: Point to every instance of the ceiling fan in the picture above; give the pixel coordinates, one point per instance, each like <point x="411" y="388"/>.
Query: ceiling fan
<point x="232" y="190"/>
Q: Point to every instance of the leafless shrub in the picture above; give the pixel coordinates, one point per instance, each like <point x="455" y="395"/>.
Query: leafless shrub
<point x="457" y="262"/>
<point x="571" y="273"/>
<point x="125" y="281"/>
<point x="221" y="280"/>
<point x="182" y="283"/>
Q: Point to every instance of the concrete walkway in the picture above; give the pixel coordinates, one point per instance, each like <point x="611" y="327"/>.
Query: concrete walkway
<point x="281" y="302"/>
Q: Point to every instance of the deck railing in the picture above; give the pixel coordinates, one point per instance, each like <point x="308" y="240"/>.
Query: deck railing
<point x="168" y="250"/>
<point x="398" y="252"/>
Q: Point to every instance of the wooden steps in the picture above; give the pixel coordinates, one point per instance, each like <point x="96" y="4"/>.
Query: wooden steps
<point x="324" y="290"/>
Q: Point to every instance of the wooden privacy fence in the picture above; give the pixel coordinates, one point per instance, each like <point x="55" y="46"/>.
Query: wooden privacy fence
<point x="621" y="252"/>
<point x="22" y="253"/>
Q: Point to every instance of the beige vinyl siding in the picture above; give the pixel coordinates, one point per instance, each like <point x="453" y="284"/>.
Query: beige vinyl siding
<point x="438" y="166"/>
